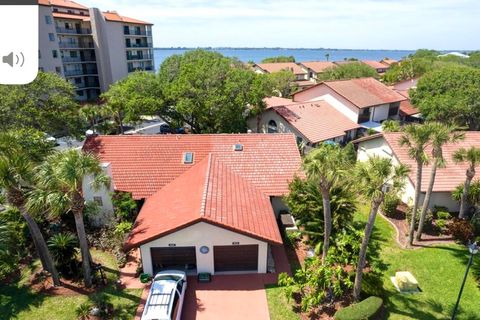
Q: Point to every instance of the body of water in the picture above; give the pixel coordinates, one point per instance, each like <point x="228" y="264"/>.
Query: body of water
<point x="257" y="55"/>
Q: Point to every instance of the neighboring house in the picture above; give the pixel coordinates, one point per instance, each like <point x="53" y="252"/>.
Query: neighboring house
<point x="89" y="48"/>
<point x="378" y="66"/>
<point x="455" y="54"/>
<point x="408" y="112"/>
<point x="315" y="68"/>
<point x="300" y="73"/>
<point x="447" y="179"/>
<point x="211" y="202"/>
<point x="311" y="122"/>
<point x="276" y="101"/>
<point x="388" y="61"/>
<point x="365" y="101"/>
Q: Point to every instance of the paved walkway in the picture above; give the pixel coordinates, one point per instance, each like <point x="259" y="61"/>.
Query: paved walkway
<point x="128" y="273"/>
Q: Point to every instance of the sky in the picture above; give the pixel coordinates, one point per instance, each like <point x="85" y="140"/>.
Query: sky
<point x="342" y="24"/>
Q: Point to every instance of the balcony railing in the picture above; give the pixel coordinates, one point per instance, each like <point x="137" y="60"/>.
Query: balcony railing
<point x="74" y="30"/>
<point x="78" y="59"/>
<point x="137" y="33"/>
<point x="86" y="85"/>
<point x="132" y="69"/>
<point x="75" y="45"/>
<point x="138" y="57"/>
<point x="138" y="45"/>
<point x="86" y="71"/>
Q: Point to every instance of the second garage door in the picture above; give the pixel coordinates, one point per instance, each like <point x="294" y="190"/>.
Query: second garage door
<point x="180" y="258"/>
<point x="236" y="258"/>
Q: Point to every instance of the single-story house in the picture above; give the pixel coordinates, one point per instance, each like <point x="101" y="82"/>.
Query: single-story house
<point x="365" y="101"/>
<point x="447" y="179"/>
<point x="317" y="67"/>
<point x="300" y="72"/>
<point x="311" y="122"/>
<point x="378" y="66"/>
<point x="388" y="61"/>
<point x="276" y="101"/>
<point x="210" y="202"/>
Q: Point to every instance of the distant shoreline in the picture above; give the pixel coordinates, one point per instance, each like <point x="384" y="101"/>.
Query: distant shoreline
<point x="282" y="48"/>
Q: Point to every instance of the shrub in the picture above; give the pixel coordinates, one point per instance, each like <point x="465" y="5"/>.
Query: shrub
<point x="123" y="228"/>
<point x="366" y="309"/>
<point x="476" y="223"/>
<point x="461" y="230"/>
<point x="444" y="215"/>
<point x="83" y="311"/>
<point x="63" y="247"/>
<point x="125" y="207"/>
<point x="389" y="205"/>
<point x="441" y="225"/>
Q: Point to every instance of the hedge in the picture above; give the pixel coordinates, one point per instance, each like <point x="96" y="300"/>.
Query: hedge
<point x="366" y="309"/>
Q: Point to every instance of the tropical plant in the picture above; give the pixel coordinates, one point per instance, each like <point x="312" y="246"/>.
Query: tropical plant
<point x="391" y="126"/>
<point x="326" y="165"/>
<point x="125" y="208"/>
<point x="306" y="205"/>
<point x="279" y="59"/>
<point x="374" y="176"/>
<point x="471" y="156"/>
<point x="316" y="283"/>
<point x="63" y="247"/>
<point x="91" y="113"/>
<point x="473" y="196"/>
<point x="16" y="173"/>
<point x="8" y="257"/>
<point x="366" y="309"/>
<point x="348" y="71"/>
<point x="390" y="204"/>
<point x="441" y="135"/>
<point x="416" y="138"/>
<point x="60" y="179"/>
<point x="461" y="230"/>
<point x="83" y="311"/>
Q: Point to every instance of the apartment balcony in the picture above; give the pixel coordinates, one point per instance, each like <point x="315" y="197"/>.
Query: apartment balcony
<point x="80" y="31"/>
<point x="82" y="72"/>
<point x="137" y="33"/>
<point x="138" y="45"/>
<point x="78" y="59"/>
<point x="132" y="69"/>
<point x="138" y="57"/>
<point x="87" y="85"/>
<point x="76" y="45"/>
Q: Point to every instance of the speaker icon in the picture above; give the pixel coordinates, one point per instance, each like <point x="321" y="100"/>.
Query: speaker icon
<point x="9" y="59"/>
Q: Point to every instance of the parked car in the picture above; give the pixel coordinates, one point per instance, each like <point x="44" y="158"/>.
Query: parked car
<point x="165" y="128"/>
<point x="166" y="296"/>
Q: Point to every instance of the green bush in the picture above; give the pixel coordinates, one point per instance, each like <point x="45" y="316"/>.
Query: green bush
<point x="389" y="205"/>
<point x="444" y="215"/>
<point x="366" y="309"/>
<point x="63" y="247"/>
<point x="125" y="207"/>
<point x="475" y="221"/>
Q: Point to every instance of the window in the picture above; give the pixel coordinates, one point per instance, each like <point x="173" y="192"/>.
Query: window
<point x="51" y="37"/>
<point x="126" y="30"/>
<point x="393" y="110"/>
<point x="40" y="69"/>
<point x="272" y="126"/>
<point x="39" y="55"/>
<point x="55" y="9"/>
<point x="73" y="54"/>
<point x="80" y="93"/>
<point x="188" y="157"/>
<point x="98" y="200"/>
<point x="48" y="20"/>
<point x="78" y="80"/>
<point x="55" y="53"/>
<point x="299" y="140"/>
<point x="58" y="70"/>
<point x="238" y="147"/>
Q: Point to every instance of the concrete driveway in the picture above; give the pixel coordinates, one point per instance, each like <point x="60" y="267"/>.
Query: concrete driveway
<point x="226" y="297"/>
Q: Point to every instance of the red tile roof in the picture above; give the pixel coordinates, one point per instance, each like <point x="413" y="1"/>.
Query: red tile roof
<point x="448" y="178"/>
<point x="318" y="66"/>
<point x="276" y="101"/>
<point x="143" y="164"/>
<point x="388" y="61"/>
<point x="317" y="121"/>
<point x="62" y="15"/>
<point x="375" y="64"/>
<point x="62" y="3"/>
<point x="114" y="16"/>
<point x="279" y="66"/>
<point x="362" y="92"/>
<point x="210" y="192"/>
<point x="407" y="109"/>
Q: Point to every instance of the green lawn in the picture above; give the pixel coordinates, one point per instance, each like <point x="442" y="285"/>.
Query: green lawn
<point x="439" y="271"/>
<point x="19" y="302"/>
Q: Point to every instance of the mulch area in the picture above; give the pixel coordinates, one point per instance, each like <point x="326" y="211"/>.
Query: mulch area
<point x="42" y="284"/>
<point x="400" y="223"/>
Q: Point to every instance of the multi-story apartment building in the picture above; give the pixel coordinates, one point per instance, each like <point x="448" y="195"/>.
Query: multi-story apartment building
<point x="90" y="48"/>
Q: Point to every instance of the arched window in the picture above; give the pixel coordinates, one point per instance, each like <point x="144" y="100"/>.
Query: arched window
<point x="272" y="126"/>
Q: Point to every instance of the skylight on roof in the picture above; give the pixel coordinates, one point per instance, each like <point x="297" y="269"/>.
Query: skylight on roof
<point x="238" y="147"/>
<point x="188" y="157"/>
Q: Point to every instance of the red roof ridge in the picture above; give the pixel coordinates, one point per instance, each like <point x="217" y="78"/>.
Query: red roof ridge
<point x="205" y="186"/>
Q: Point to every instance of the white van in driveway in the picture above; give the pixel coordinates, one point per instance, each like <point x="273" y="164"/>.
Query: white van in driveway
<point x="165" y="300"/>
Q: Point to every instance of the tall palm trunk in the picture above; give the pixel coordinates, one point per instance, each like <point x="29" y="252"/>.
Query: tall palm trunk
<point x="466" y="187"/>
<point x="82" y="239"/>
<point x="418" y="187"/>
<point x="357" y="288"/>
<point x="426" y="201"/>
<point x="327" y="222"/>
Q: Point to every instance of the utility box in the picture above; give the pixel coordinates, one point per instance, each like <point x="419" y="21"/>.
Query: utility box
<point x="406" y="281"/>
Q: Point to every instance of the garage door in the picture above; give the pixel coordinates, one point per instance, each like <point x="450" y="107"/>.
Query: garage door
<point x="181" y="258"/>
<point x="236" y="258"/>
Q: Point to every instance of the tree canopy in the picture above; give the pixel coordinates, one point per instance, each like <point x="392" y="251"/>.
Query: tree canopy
<point x="282" y="82"/>
<point x="279" y="59"/>
<point x="46" y="104"/>
<point x="450" y="94"/>
<point x="348" y="71"/>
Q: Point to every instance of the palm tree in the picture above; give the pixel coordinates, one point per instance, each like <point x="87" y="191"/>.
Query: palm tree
<point x="325" y="165"/>
<point x="61" y="178"/>
<point x="91" y="113"/>
<point x="373" y="177"/>
<point x="441" y="135"/>
<point x="15" y="176"/>
<point x="472" y="157"/>
<point x="416" y="138"/>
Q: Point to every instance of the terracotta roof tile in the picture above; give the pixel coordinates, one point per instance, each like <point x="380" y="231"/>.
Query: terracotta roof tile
<point x="114" y="16"/>
<point x="317" y="121"/>
<point x="62" y="15"/>
<point x="279" y="66"/>
<point x="62" y="3"/>
<point x="143" y="164"/>
<point x="276" y="101"/>
<point x="388" y="61"/>
<point x="208" y="192"/>
<point x="447" y="178"/>
<point x="407" y="109"/>
<point x="318" y="66"/>
<point x="375" y="64"/>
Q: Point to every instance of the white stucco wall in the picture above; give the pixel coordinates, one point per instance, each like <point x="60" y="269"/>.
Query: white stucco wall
<point x="282" y="125"/>
<point x="203" y="234"/>
<point x="89" y="194"/>
<point x="46" y="60"/>
<point x="379" y="113"/>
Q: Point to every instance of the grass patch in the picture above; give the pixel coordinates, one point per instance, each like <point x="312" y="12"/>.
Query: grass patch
<point x="17" y="301"/>
<point x="439" y="271"/>
<point x="278" y="305"/>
